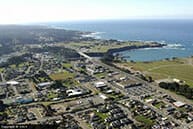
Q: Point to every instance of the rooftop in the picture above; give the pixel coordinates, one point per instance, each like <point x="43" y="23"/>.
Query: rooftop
<point x="179" y="104"/>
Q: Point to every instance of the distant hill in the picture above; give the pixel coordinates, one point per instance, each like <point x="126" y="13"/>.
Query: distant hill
<point x="19" y="34"/>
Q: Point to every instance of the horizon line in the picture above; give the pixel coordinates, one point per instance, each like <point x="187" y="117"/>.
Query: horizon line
<point x="91" y="20"/>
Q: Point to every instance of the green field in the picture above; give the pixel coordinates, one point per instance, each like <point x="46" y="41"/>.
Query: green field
<point x="159" y="105"/>
<point x="99" y="75"/>
<point x="144" y="120"/>
<point x="179" y="68"/>
<point x="67" y="65"/>
<point x="1" y="70"/>
<point x="52" y="95"/>
<point x="106" y="47"/>
<point x="103" y="116"/>
<point x="61" y="76"/>
<point x="102" y="47"/>
<point x="147" y="66"/>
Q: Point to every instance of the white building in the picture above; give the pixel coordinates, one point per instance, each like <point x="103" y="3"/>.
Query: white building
<point x="12" y="83"/>
<point x="74" y="92"/>
<point x="100" y="84"/>
<point x="103" y="96"/>
<point x="44" y="84"/>
<point x="178" y="104"/>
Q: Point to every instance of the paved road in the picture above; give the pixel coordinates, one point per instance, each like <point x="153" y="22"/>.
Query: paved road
<point x="84" y="55"/>
<point x="41" y="63"/>
<point x="2" y="78"/>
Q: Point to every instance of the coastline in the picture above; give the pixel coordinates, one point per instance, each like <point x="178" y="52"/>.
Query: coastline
<point x="160" y="45"/>
<point x="127" y="48"/>
<point x="148" y="44"/>
<point x="155" y="45"/>
<point x="177" y="36"/>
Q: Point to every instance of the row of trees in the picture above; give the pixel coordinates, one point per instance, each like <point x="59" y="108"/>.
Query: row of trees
<point x="16" y="60"/>
<point x="59" y="51"/>
<point x="184" y="89"/>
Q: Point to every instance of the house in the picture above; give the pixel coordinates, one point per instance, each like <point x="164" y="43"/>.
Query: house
<point x="149" y="100"/>
<point x="178" y="104"/>
<point x="100" y="84"/>
<point x="12" y="83"/>
<point x="170" y="110"/>
<point x="74" y="92"/>
<point x="103" y="96"/>
<point x="109" y="91"/>
<point x="44" y="84"/>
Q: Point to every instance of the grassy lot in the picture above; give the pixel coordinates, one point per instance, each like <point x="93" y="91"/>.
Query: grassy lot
<point x="106" y="47"/>
<point x="66" y="77"/>
<point x="103" y="47"/>
<point x="144" y="120"/>
<point x="147" y="66"/>
<point x="67" y="65"/>
<point x="13" y="66"/>
<point x="1" y="70"/>
<point x="99" y="75"/>
<point x="46" y="103"/>
<point x="70" y="82"/>
<point x="182" y="72"/>
<point x="159" y="104"/>
<point x="61" y="76"/>
<point x="42" y="79"/>
<point x="148" y="97"/>
<point x="179" y="68"/>
<point x="52" y="95"/>
<point x="115" y="97"/>
<point x="23" y="64"/>
<point x="82" y="44"/>
<point x="103" y="116"/>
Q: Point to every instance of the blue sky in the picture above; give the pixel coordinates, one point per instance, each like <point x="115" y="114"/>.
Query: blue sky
<point x="24" y="11"/>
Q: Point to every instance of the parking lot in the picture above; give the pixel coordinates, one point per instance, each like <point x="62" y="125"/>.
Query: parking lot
<point x="140" y="90"/>
<point x="77" y="104"/>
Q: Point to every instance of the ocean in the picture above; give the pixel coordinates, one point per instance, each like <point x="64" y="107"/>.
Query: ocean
<point x="178" y="34"/>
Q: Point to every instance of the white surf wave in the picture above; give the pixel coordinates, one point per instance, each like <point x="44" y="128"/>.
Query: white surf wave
<point x="174" y="46"/>
<point x="168" y="46"/>
<point x="152" y="48"/>
<point x="94" y="35"/>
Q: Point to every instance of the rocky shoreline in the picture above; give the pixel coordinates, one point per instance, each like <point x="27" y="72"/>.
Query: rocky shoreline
<point x="115" y="50"/>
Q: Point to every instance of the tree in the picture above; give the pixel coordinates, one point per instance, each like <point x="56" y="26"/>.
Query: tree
<point x="108" y="57"/>
<point x="57" y="84"/>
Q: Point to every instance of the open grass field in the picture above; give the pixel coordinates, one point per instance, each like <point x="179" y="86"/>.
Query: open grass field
<point x="106" y="47"/>
<point x="103" y="116"/>
<point x="67" y="65"/>
<point x="159" y="105"/>
<point x="1" y="70"/>
<point x="102" y="47"/>
<point x="61" y="76"/>
<point x="144" y="120"/>
<point x="179" y="68"/>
